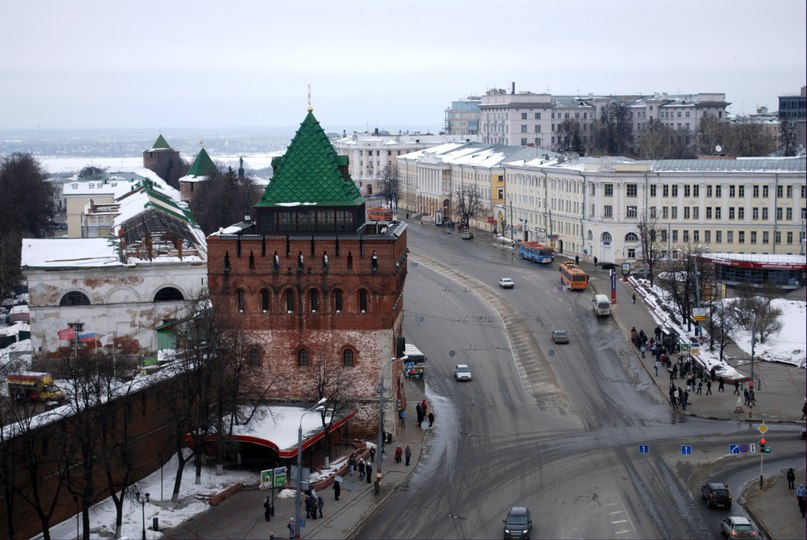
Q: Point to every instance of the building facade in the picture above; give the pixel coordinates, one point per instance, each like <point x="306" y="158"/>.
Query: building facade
<point x="314" y="287"/>
<point x="793" y="110"/>
<point x="462" y="118"/>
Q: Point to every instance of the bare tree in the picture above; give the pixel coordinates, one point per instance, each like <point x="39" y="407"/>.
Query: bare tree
<point x="757" y="315"/>
<point x="650" y="240"/>
<point x="390" y="184"/>
<point x="683" y="280"/>
<point x="722" y="318"/>
<point x="469" y="204"/>
<point x="789" y="137"/>
<point x="223" y="200"/>
<point x="568" y="137"/>
<point x="333" y="383"/>
<point x="660" y="142"/>
<point x="613" y="132"/>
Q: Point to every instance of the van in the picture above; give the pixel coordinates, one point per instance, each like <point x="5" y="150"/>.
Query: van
<point x="602" y="305"/>
<point x="415" y="364"/>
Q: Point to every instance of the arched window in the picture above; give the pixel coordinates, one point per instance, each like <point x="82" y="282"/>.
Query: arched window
<point x="631" y="237"/>
<point x="302" y="358"/>
<point x="337" y="300"/>
<point x="240" y="300"/>
<point x="168" y="294"/>
<point x="363" y="300"/>
<point x="74" y="298"/>
<point x="254" y="356"/>
<point x="265" y="300"/>
<point x="313" y="300"/>
<point x="347" y="358"/>
<point x="605" y="238"/>
<point x="590" y="236"/>
<point x="289" y="300"/>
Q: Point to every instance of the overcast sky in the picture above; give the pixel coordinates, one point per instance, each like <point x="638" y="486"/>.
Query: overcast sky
<point x="161" y="64"/>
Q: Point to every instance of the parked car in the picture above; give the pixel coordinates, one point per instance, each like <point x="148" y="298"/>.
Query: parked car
<point x="716" y="494"/>
<point x="737" y="527"/>
<point x="642" y="273"/>
<point x="462" y="372"/>
<point x="506" y="283"/>
<point x="467" y="235"/>
<point x="608" y="266"/>
<point x="560" y="336"/>
<point x="518" y="523"/>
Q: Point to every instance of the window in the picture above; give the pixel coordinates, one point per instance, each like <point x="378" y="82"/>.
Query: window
<point x="608" y="211"/>
<point x="674" y="212"/>
<point x="168" y="294"/>
<point x="254" y="358"/>
<point x="686" y="190"/>
<point x="730" y="237"/>
<point x="741" y="237"/>
<point x="675" y="235"/>
<point x="755" y="191"/>
<point x="631" y="253"/>
<point x="363" y="300"/>
<point x="524" y="141"/>
<point x="665" y="212"/>
<point x="665" y="190"/>
<point x="696" y="212"/>
<point x="741" y="191"/>
<point x="537" y="116"/>
<point x="74" y="298"/>
<point x="718" y="211"/>
<point x="779" y="192"/>
<point x="302" y="358"/>
<point x="240" y="300"/>
<point x="289" y="301"/>
<point x="653" y="190"/>
<point x="631" y="212"/>
<point x="707" y="236"/>
<point x="708" y="212"/>
<point x="313" y="300"/>
<point x="675" y="190"/>
<point x="741" y="212"/>
<point x="686" y="235"/>
<point x="347" y="358"/>
<point x="631" y="190"/>
<point x="753" y="237"/>
<point x="765" y="237"/>
<point x="718" y="237"/>
<point x="523" y="128"/>
<point x="709" y="191"/>
<point x="731" y="212"/>
<point x="778" y="213"/>
<point x="686" y="212"/>
<point x="789" y="192"/>
<point x="265" y="300"/>
<point x="731" y="191"/>
<point x="609" y="190"/>
<point x="631" y="237"/>
<point x="789" y="237"/>
<point x="337" y="300"/>
<point x="755" y="213"/>
<point x="663" y="235"/>
<point x="696" y="190"/>
<point x="696" y="236"/>
<point x="765" y="214"/>
<point x="764" y="191"/>
<point x="652" y="212"/>
<point x="789" y="214"/>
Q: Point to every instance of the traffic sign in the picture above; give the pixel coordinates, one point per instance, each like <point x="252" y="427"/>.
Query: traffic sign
<point x="744" y="448"/>
<point x="644" y="449"/>
<point x="734" y="449"/>
<point x="753" y="448"/>
<point x="686" y="449"/>
<point x="762" y="428"/>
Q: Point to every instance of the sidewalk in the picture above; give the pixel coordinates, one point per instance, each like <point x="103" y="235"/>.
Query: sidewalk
<point x="241" y="515"/>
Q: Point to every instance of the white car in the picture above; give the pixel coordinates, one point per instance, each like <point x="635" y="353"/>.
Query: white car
<point x="506" y="283"/>
<point x="462" y="372"/>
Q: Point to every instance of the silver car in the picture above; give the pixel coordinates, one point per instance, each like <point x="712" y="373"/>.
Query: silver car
<point x="462" y="372"/>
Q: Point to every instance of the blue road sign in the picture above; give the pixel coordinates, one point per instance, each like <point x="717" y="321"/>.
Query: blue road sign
<point x="734" y="448"/>
<point x="744" y="448"/>
<point x="686" y="449"/>
<point x="613" y="280"/>
<point x="644" y="449"/>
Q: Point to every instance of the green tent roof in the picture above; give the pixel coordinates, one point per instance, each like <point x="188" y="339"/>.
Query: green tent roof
<point x="203" y="165"/>
<point x="309" y="172"/>
<point x="160" y="144"/>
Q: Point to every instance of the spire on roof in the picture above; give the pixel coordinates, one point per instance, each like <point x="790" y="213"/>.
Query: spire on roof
<point x="310" y="108"/>
<point x="160" y="144"/>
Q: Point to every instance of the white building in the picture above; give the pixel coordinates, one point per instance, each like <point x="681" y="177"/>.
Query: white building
<point x="122" y="287"/>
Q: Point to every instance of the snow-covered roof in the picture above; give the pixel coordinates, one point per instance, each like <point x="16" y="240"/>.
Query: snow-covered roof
<point x="69" y="252"/>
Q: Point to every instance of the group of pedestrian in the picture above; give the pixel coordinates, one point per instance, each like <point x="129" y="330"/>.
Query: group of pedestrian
<point x="400" y="452"/>
<point x="423" y="413"/>
<point x="679" y="397"/>
<point x="313" y="504"/>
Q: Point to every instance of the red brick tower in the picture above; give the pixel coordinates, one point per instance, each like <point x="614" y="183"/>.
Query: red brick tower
<point x="315" y="287"/>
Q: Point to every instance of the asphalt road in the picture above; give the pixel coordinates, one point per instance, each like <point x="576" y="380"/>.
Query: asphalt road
<point x="554" y="428"/>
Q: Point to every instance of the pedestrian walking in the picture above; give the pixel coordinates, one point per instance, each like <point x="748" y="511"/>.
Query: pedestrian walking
<point x="577" y="259"/>
<point x="633" y="298"/>
<point x="642" y="348"/>
<point x="656" y="366"/>
<point x="804" y="411"/>
<point x="369" y="469"/>
<point x="801" y="496"/>
<point x="595" y="262"/>
<point x="320" y="504"/>
<point x="745" y="397"/>
<point x="708" y="387"/>
<point x="337" y="489"/>
<point x="736" y="387"/>
<point x="791" y="478"/>
<point x="362" y="469"/>
<point x="431" y="419"/>
<point x="372" y="454"/>
<point x="398" y="454"/>
<point x="419" y="412"/>
<point x="408" y="455"/>
<point x="700" y="387"/>
<point x="292" y="531"/>
<point x="672" y="376"/>
<point x="267" y="508"/>
<point x="720" y="385"/>
<point x="351" y="463"/>
<point x="402" y="416"/>
<point x="751" y="397"/>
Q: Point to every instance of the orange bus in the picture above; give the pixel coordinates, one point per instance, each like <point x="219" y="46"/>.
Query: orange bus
<point x="375" y="213"/>
<point x="573" y="277"/>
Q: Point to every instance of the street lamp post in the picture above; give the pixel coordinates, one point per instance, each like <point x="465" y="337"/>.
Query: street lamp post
<point x="380" y="452"/>
<point x="317" y="407"/>
<point x="143" y="498"/>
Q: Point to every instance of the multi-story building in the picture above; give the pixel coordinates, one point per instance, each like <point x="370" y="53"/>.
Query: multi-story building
<point x="793" y="109"/>
<point x="530" y="119"/>
<point x="462" y="118"/>
<point x="315" y="288"/>
<point x="371" y="156"/>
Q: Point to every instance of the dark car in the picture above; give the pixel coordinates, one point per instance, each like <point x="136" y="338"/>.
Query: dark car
<point x="716" y="495"/>
<point x="608" y="266"/>
<point x="518" y="523"/>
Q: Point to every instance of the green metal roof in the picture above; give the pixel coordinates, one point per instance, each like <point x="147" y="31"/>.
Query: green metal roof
<point x="309" y="173"/>
<point x="203" y="165"/>
<point x="160" y="144"/>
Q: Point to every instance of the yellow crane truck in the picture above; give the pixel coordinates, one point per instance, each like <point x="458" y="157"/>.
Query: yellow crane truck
<point x="33" y="386"/>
